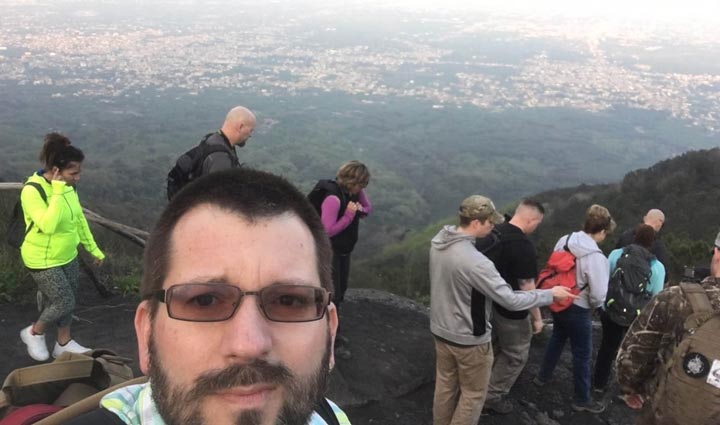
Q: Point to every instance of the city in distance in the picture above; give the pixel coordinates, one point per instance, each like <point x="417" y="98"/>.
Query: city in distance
<point x="440" y="103"/>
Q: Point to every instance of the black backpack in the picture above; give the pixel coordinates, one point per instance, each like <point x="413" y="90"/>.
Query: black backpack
<point x="627" y="291"/>
<point x="16" y="230"/>
<point x="188" y="166"/>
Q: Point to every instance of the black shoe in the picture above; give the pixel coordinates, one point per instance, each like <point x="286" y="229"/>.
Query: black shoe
<point x="342" y="352"/>
<point x="501" y="406"/>
<point x="538" y="382"/>
<point x="590" y="406"/>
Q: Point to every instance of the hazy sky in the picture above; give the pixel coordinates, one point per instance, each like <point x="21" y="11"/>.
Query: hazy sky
<point x="653" y="9"/>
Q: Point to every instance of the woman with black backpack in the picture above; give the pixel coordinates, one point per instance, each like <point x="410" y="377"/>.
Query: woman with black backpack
<point x="55" y="226"/>
<point x="632" y="266"/>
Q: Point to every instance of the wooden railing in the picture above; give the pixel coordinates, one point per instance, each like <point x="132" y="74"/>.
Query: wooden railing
<point x="133" y="234"/>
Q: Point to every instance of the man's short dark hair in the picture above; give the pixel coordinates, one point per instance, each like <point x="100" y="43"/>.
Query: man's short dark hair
<point x="252" y="195"/>
<point x="532" y="203"/>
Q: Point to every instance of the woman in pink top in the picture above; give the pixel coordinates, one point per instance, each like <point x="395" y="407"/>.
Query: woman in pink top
<point x="343" y="202"/>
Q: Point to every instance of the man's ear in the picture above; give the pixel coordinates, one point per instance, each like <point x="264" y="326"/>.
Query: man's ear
<point x="333" y="324"/>
<point x="143" y="327"/>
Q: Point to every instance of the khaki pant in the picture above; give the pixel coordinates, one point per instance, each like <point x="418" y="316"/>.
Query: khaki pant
<point x="461" y="380"/>
<point x="511" y="346"/>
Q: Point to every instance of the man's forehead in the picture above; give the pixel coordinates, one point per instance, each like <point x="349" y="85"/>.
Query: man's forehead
<point x="210" y="243"/>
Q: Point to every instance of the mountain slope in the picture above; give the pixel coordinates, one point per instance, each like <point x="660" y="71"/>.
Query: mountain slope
<point x="685" y="187"/>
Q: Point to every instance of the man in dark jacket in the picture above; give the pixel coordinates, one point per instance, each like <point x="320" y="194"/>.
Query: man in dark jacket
<point x="236" y="130"/>
<point x="654" y="218"/>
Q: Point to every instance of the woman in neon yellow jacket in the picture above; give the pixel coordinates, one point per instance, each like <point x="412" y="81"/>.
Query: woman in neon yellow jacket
<point x="55" y="226"/>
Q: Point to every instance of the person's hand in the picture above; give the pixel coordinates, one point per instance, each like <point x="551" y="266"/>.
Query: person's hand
<point x="56" y="174"/>
<point x="351" y="207"/>
<point x="98" y="262"/>
<point x="633" y="401"/>
<point x="538" y="326"/>
<point x="561" y="293"/>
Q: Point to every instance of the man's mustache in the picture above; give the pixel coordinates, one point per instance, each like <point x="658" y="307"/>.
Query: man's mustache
<point x="255" y="372"/>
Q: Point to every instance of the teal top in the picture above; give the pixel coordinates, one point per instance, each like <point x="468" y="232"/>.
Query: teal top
<point x="657" y="271"/>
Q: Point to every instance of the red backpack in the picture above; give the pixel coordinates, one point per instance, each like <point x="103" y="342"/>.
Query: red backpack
<point x="560" y="270"/>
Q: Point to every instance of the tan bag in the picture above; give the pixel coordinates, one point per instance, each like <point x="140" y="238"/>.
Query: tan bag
<point x="688" y="391"/>
<point x="70" y="378"/>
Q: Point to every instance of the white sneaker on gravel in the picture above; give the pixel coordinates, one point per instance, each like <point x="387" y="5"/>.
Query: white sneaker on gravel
<point x="70" y="347"/>
<point x="35" y="344"/>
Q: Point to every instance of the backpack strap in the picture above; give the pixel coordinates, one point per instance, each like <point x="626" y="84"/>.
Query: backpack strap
<point x="326" y="412"/>
<point x="700" y="304"/>
<point x="43" y="195"/>
<point x="566" y="248"/>
<point x="697" y="297"/>
<point x="207" y="150"/>
<point x="96" y="416"/>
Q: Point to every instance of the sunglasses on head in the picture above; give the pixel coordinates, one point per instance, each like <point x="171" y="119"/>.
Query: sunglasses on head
<point x="216" y="302"/>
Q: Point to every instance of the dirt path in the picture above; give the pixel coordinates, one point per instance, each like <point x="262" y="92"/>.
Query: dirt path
<point x="388" y="379"/>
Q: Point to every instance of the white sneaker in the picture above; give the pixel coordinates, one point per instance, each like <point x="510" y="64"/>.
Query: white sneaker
<point x="35" y="344"/>
<point x="70" y="347"/>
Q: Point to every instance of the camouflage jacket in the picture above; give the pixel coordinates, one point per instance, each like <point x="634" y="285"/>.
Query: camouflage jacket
<point x="654" y="335"/>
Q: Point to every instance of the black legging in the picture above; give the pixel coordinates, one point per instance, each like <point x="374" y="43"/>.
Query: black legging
<point x="340" y="274"/>
<point x="612" y="336"/>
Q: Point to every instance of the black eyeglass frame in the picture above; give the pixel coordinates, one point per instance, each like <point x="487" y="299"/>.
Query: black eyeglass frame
<point x="162" y="295"/>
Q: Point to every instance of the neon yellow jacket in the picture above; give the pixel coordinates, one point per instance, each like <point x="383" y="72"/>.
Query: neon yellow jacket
<point x="59" y="226"/>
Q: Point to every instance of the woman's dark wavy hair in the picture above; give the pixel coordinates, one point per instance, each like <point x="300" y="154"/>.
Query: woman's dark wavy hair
<point x="58" y="152"/>
<point x="644" y="235"/>
<point x="252" y="195"/>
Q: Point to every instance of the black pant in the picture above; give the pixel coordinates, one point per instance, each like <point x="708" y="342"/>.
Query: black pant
<point x="340" y="274"/>
<point x="612" y="336"/>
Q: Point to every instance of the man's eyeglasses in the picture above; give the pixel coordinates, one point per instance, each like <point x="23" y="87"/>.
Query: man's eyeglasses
<point x="215" y="302"/>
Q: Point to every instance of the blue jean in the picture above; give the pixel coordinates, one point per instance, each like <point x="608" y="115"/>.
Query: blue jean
<point x="574" y="323"/>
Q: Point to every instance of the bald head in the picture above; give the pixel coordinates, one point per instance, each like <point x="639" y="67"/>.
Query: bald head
<point x="239" y="125"/>
<point x="654" y="218"/>
<point x="528" y="216"/>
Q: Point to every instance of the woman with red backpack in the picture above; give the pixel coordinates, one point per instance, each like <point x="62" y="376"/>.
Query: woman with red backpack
<point x="575" y="321"/>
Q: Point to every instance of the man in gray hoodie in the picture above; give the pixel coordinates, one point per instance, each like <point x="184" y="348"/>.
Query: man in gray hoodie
<point x="463" y="285"/>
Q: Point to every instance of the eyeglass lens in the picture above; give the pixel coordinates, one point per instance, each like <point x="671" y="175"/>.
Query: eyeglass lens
<point x="216" y="302"/>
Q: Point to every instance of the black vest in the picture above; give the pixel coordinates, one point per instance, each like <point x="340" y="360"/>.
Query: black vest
<point x="344" y="242"/>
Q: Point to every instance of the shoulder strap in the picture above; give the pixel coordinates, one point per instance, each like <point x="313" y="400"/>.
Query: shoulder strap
<point x="96" y="416"/>
<point x="326" y="412"/>
<point x="697" y="297"/>
<point x="567" y="244"/>
<point x="40" y="190"/>
<point x="208" y="149"/>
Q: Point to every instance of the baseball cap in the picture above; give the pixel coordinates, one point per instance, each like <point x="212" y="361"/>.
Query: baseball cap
<point x="481" y="208"/>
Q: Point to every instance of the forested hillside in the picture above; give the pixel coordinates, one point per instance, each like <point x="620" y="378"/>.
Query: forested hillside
<point x="686" y="188"/>
<point x="422" y="158"/>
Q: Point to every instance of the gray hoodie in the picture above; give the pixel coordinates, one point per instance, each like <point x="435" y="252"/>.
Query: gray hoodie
<point x="456" y="268"/>
<point x="592" y="269"/>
